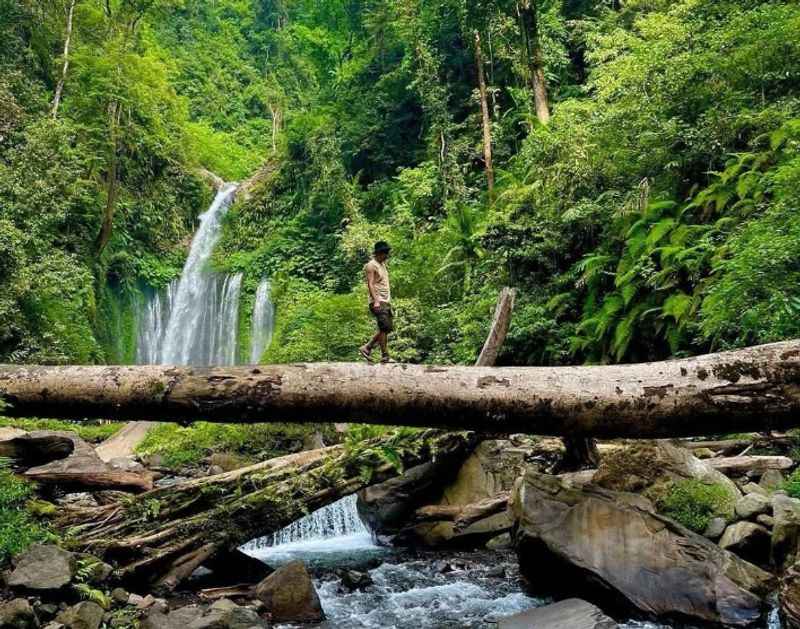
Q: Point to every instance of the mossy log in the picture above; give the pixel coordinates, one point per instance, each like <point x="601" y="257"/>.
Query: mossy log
<point x="750" y="389"/>
<point x="162" y="536"/>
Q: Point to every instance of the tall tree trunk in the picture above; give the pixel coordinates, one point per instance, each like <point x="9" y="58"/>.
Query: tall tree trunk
<point x="528" y="13"/>
<point x="749" y="389"/>
<point x="499" y="328"/>
<point x="65" y="67"/>
<point x="112" y="183"/>
<point x="486" y="119"/>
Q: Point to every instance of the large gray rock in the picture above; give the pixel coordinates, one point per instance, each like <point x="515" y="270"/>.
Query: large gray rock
<point x="612" y="547"/>
<point x="785" y="530"/>
<point x="18" y="614"/>
<point x="752" y="505"/>
<point x="225" y="614"/>
<point x="43" y="567"/>
<point x="748" y="540"/>
<point x="716" y="527"/>
<point x="771" y="480"/>
<point x="290" y="596"/>
<point x="571" y="613"/>
<point x="84" y="615"/>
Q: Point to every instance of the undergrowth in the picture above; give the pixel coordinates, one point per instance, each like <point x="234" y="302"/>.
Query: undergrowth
<point x="91" y="432"/>
<point x="693" y="503"/>
<point x="18" y="529"/>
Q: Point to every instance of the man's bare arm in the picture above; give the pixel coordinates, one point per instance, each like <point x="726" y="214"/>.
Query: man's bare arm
<point x="371" y="277"/>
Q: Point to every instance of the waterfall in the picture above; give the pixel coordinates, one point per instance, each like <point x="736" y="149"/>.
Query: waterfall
<point x="332" y="528"/>
<point x="203" y="319"/>
<point x="263" y="321"/>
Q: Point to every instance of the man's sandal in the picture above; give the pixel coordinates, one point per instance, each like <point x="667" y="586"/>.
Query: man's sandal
<point x="365" y="354"/>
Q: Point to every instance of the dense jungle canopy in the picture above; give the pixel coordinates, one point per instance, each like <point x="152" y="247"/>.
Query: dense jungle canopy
<point x="631" y="167"/>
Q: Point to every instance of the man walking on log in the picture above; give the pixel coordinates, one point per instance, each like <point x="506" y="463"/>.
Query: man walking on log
<point x="380" y="301"/>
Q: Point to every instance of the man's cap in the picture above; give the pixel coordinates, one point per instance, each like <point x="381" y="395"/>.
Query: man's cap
<point x="382" y="247"/>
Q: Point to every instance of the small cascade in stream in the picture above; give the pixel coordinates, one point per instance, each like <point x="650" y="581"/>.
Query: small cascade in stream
<point x="333" y="529"/>
<point x="263" y="321"/>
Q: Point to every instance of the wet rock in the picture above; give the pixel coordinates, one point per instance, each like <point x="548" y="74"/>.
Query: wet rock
<point x="748" y="540"/>
<point x="715" y="529"/>
<point x="84" y="615"/>
<point x="18" y="614"/>
<point x="353" y="580"/>
<point x="289" y="595"/>
<point x="771" y="480"/>
<point x="43" y="567"/>
<point x="500" y="542"/>
<point x="498" y="572"/>
<point x="612" y="547"/>
<point x="752" y="505"/>
<point x="571" y="613"/>
<point x="785" y="531"/>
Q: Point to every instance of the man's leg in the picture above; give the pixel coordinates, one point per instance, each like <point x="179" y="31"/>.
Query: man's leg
<point x="366" y="350"/>
<point x="383" y="341"/>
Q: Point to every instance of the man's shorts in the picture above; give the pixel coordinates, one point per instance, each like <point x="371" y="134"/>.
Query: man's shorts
<point x="384" y="317"/>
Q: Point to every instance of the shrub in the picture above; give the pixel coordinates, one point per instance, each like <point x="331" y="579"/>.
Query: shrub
<point x="18" y="529"/>
<point x="792" y="484"/>
<point x="693" y="503"/>
<point x="180" y="446"/>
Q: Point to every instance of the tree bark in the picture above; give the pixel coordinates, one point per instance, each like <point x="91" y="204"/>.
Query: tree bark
<point x="756" y="388"/>
<point x="742" y="464"/>
<point x="65" y="66"/>
<point x="163" y="535"/>
<point x="485" y="117"/>
<point x="499" y="328"/>
<point x="528" y="14"/>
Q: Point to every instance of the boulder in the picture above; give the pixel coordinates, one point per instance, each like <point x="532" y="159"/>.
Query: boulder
<point x="765" y="520"/>
<point x="180" y="618"/>
<point x="43" y="567"/>
<point x="715" y="529"/>
<point x="789" y="597"/>
<point x="225" y="614"/>
<point x="643" y="464"/>
<point x="500" y="542"/>
<point x="490" y="470"/>
<point x="571" y="613"/>
<point x="612" y="547"/>
<point x="84" y="615"/>
<point x="120" y="596"/>
<point x="748" y="540"/>
<point x="752" y="505"/>
<point x="785" y="531"/>
<point x="771" y="480"/>
<point x="752" y="488"/>
<point x="289" y="595"/>
<point x="18" y="614"/>
<point x="353" y="580"/>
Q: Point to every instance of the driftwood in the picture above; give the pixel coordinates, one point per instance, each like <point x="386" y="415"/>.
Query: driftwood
<point x="499" y="328"/>
<point x="749" y="389"/>
<point x="742" y="464"/>
<point x="162" y="536"/>
<point x="64" y="459"/>
<point x="123" y="443"/>
<point x="463" y="515"/>
<point x="729" y="446"/>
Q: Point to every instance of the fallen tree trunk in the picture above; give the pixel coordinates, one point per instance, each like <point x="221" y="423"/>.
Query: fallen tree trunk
<point x="742" y="464"/>
<point x="750" y="389"/>
<point x="463" y="515"/>
<point x="162" y="536"/>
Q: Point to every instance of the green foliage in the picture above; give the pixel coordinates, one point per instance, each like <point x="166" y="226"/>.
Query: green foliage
<point x="792" y="484"/>
<point x="693" y="503"/>
<point x="18" y="529"/>
<point x="92" y="432"/>
<point x="188" y="446"/>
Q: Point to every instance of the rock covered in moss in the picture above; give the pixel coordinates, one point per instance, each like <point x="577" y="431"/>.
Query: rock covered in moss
<point x="43" y="567"/>
<point x="785" y="531"/>
<point x="84" y="615"/>
<point x="290" y="596"/>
